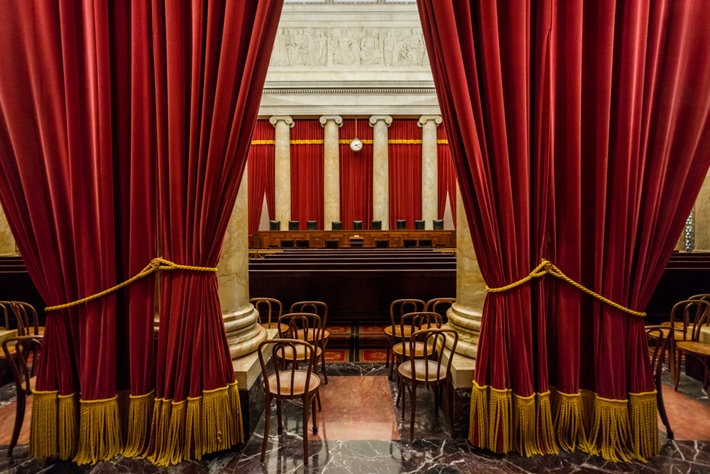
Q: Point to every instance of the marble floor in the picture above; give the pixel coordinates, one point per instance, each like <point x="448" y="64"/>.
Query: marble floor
<point x="360" y="430"/>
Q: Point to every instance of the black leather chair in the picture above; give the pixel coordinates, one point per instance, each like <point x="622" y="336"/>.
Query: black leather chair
<point x="401" y="224"/>
<point x="376" y="225"/>
<point x="337" y="225"/>
<point x="357" y="225"/>
<point x="419" y="224"/>
<point x="294" y="225"/>
<point x="438" y="224"/>
<point x="311" y="225"/>
<point x="274" y="225"/>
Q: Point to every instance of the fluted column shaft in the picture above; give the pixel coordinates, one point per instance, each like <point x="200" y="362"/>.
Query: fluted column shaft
<point x="241" y="319"/>
<point x="465" y="315"/>
<point x="282" y="167"/>
<point x="7" y="241"/>
<point x="380" y="169"/>
<point x="702" y="217"/>
<point x="331" y="169"/>
<point x="430" y="200"/>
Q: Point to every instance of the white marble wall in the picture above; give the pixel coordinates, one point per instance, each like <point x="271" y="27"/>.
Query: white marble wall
<point x="702" y="217"/>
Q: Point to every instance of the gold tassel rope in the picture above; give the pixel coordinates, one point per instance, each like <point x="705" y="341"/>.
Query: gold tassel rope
<point x="139" y="417"/>
<point x="644" y="427"/>
<point x="99" y="431"/>
<point x="43" y="430"/>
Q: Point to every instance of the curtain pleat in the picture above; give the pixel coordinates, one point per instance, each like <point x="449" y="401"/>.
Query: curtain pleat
<point x="405" y="172"/>
<point x="307" y="172"/>
<point x="355" y="174"/>
<point x="261" y="174"/>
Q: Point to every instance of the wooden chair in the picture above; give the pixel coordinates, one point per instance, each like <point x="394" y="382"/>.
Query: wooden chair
<point x="416" y="321"/>
<point x="694" y="314"/>
<point x="23" y="365"/>
<point x="321" y="309"/>
<point x="24" y="314"/>
<point x="398" y="308"/>
<point x="302" y="323"/>
<point x="657" y="354"/>
<point x="269" y="307"/>
<point x="289" y="384"/>
<point x="441" y="306"/>
<point x="427" y="369"/>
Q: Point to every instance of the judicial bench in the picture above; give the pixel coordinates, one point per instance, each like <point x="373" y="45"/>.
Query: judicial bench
<point x="354" y="238"/>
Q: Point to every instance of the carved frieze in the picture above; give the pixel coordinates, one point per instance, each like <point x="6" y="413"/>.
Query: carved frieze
<point x="343" y="47"/>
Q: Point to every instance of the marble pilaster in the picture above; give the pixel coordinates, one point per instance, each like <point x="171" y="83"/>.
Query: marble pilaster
<point x="702" y="217"/>
<point x="380" y="169"/>
<point x="241" y="319"/>
<point x="7" y="241"/>
<point x="282" y="167"/>
<point x="428" y="123"/>
<point x="465" y="315"/>
<point x="331" y="169"/>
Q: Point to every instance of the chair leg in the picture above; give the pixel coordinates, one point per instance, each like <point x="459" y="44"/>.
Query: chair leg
<point x="399" y="391"/>
<point x="413" y="402"/>
<point x="305" y="431"/>
<point x="322" y="360"/>
<point x="392" y="364"/>
<point x="405" y="387"/>
<point x="662" y="408"/>
<point x="313" y="408"/>
<point x="278" y="416"/>
<point x="387" y="357"/>
<point x="676" y="375"/>
<point x="318" y="400"/>
<point x="19" y="418"/>
<point x="267" y="422"/>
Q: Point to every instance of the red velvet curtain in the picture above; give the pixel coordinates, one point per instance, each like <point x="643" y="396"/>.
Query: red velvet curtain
<point x="355" y="174"/>
<point x="446" y="175"/>
<point x="79" y="188"/>
<point x="261" y="174"/>
<point x="405" y="171"/>
<point x="563" y="118"/>
<point x="307" y="172"/>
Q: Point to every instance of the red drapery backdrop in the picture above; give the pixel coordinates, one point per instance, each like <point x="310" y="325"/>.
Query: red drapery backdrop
<point x="79" y="188"/>
<point x="355" y="174"/>
<point x="446" y="175"/>
<point x="405" y="171"/>
<point x="580" y="134"/>
<point x="307" y="172"/>
<point x="261" y="174"/>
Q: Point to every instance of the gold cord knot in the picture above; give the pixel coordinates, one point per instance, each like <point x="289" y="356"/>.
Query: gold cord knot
<point x="548" y="268"/>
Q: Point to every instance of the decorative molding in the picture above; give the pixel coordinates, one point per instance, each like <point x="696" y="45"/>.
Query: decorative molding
<point x="335" y="118"/>
<point x="274" y="119"/>
<point x="428" y="118"/>
<point x="387" y="119"/>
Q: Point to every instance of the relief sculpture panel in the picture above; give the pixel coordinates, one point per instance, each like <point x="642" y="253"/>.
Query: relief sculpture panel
<point x="349" y="47"/>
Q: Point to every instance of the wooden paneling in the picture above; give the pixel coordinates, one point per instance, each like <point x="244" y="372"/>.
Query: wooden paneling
<point x="318" y="238"/>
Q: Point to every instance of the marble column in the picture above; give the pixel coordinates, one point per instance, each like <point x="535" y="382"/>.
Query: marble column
<point x="380" y="170"/>
<point x="465" y="315"/>
<point x="7" y="241"/>
<point x="702" y="217"/>
<point x="331" y="169"/>
<point x="282" y="168"/>
<point x="241" y="319"/>
<point x="430" y="200"/>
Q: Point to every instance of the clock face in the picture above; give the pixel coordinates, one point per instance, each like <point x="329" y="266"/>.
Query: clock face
<point x="356" y="145"/>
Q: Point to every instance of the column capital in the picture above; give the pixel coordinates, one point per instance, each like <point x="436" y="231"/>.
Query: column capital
<point x="335" y="118"/>
<point x="274" y="119"/>
<point x="427" y="118"/>
<point x="387" y="119"/>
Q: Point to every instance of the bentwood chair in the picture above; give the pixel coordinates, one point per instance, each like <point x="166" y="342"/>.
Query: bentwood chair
<point x="21" y="354"/>
<point x="398" y="308"/>
<point x="302" y="323"/>
<point x="270" y="309"/>
<point x="321" y="309"/>
<point x="694" y="314"/>
<point x="415" y="321"/>
<point x="427" y="369"/>
<point x="24" y="314"/>
<point x="289" y="384"/>
<point x="657" y="352"/>
<point x="440" y="306"/>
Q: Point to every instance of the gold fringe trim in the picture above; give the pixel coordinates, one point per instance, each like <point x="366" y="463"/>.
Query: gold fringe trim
<point x="569" y="421"/>
<point x="197" y="426"/>
<point x="43" y="430"/>
<point x="524" y="433"/>
<point x="494" y="429"/>
<point x="544" y="427"/>
<point x="644" y="428"/>
<point x="140" y="410"/>
<point x="66" y="444"/>
<point x="610" y="432"/>
<point x="99" y="431"/>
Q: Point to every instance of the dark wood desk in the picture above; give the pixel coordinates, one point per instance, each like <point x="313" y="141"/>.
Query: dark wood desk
<point x="318" y="238"/>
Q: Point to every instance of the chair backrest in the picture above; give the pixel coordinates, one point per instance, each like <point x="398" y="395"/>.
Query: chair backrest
<point x="279" y="347"/>
<point x="693" y="314"/>
<point x="357" y="225"/>
<point x="311" y="225"/>
<point x="435" y="342"/>
<point x="400" y="307"/>
<point x="419" y="224"/>
<point x="24" y="363"/>
<point x="302" y="321"/>
<point x="418" y="320"/>
<point x="336" y="225"/>
<point x="269" y="307"/>
<point x="23" y="314"/>
<point x="438" y="224"/>
<point x="440" y="305"/>
<point x="401" y="224"/>
<point x="294" y="225"/>
<point x="316" y="307"/>
<point x="274" y="225"/>
<point x="376" y="225"/>
<point x="659" y="349"/>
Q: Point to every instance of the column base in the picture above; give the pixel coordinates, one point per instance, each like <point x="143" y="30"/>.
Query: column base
<point x="458" y="393"/>
<point x="244" y="333"/>
<point x="467" y="324"/>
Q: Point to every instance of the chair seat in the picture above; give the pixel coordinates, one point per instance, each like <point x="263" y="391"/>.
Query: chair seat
<point x="397" y="332"/>
<point x="281" y="327"/>
<point x="405" y="351"/>
<point x="678" y="333"/>
<point x="300" y="353"/>
<point x="405" y="370"/>
<point x="699" y="348"/>
<point x="431" y="326"/>
<point x="299" y="383"/>
<point x="311" y="334"/>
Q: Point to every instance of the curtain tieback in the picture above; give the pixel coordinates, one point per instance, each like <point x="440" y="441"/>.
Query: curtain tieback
<point x="158" y="264"/>
<point x="548" y="268"/>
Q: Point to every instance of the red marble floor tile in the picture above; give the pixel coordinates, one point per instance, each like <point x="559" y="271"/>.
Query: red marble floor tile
<point x="356" y="408"/>
<point x="689" y="419"/>
<point x="7" y="422"/>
